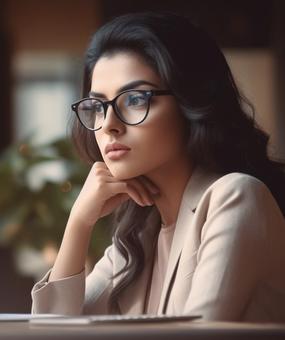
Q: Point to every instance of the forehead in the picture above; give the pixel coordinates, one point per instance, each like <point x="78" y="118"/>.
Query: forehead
<point x="112" y="72"/>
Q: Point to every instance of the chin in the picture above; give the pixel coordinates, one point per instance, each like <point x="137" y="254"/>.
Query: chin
<point x="120" y="172"/>
<point x="123" y="172"/>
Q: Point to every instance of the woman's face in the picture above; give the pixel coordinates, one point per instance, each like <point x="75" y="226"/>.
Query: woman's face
<point x="155" y="143"/>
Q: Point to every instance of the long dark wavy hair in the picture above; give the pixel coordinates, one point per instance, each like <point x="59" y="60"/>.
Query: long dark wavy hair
<point x="222" y="133"/>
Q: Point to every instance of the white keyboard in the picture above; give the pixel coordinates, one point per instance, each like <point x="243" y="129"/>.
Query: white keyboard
<point x="93" y="319"/>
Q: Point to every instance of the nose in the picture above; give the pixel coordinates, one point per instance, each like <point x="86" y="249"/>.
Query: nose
<point x="111" y="123"/>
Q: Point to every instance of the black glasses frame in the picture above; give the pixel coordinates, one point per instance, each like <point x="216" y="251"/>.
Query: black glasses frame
<point x="106" y="103"/>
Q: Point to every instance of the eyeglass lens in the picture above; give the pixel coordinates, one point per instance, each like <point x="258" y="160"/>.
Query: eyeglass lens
<point x="130" y="106"/>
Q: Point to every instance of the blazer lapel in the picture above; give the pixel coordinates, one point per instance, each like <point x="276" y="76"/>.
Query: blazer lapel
<point x="196" y="186"/>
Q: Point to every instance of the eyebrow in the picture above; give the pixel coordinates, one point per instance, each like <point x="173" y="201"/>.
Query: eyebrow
<point x="128" y="86"/>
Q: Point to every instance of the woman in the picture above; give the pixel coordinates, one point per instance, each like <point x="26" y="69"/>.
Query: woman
<point x="199" y="225"/>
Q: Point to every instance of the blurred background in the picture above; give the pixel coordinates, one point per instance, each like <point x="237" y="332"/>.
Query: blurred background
<point x="42" y="44"/>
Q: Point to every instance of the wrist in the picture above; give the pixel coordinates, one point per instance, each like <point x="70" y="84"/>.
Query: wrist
<point x="76" y="222"/>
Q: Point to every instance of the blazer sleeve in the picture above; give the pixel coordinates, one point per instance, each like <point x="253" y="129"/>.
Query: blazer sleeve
<point x="233" y="254"/>
<point x="76" y="294"/>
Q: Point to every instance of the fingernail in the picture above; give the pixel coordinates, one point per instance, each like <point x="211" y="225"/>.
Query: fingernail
<point x="150" y="202"/>
<point x="154" y="191"/>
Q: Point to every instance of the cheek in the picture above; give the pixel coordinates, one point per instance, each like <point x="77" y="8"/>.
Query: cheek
<point x="158" y="141"/>
<point x="162" y="144"/>
<point x="169" y="133"/>
<point x="167" y="143"/>
<point x="98" y="139"/>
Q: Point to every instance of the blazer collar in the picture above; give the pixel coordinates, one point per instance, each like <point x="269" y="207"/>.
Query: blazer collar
<point x="198" y="183"/>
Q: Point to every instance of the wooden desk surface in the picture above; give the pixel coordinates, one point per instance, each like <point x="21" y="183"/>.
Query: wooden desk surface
<point x="139" y="331"/>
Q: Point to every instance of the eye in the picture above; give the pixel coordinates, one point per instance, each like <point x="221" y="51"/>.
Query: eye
<point x="93" y="106"/>
<point x="98" y="107"/>
<point x="137" y="99"/>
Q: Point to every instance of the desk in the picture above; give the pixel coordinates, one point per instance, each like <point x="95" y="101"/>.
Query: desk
<point x="174" y="331"/>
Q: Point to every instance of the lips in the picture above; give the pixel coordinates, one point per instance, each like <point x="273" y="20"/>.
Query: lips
<point x="116" y="147"/>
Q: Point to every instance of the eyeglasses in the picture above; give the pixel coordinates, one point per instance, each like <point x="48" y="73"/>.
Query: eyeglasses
<point x="130" y="106"/>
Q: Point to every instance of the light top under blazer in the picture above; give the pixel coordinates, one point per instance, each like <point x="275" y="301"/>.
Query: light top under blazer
<point x="227" y="259"/>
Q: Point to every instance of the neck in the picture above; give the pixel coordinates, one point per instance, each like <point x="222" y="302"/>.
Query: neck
<point x="171" y="180"/>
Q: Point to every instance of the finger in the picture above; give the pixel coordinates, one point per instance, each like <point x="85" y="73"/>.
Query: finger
<point x="103" y="172"/>
<point x="119" y="199"/>
<point x="110" y="179"/>
<point x="101" y="165"/>
<point x="142" y="190"/>
<point x="100" y="168"/>
<point x="123" y="187"/>
<point x="150" y="185"/>
<point x="135" y="190"/>
<point x="114" y="202"/>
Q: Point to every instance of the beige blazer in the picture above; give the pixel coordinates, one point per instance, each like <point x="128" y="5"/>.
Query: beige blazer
<point x="227" y="260"/>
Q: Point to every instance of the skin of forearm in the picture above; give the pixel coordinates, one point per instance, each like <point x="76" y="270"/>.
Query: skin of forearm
<point x="73" y="251"/>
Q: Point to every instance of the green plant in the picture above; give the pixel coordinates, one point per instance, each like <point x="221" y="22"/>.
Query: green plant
<point x="34" y="212"/>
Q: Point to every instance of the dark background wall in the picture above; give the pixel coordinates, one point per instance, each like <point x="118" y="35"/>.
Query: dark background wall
<point x="5" y="83"/>
<point x="26" y="25"/>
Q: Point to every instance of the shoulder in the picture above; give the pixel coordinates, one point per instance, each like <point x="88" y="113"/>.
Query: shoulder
<point x="239" y="185"/>
<point x="239" y="179"/>
<point x="238" y="196"/>
<point x="205" y="186"/>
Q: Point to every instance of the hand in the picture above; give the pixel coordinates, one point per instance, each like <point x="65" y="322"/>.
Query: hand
<point x="102" y="193"/>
